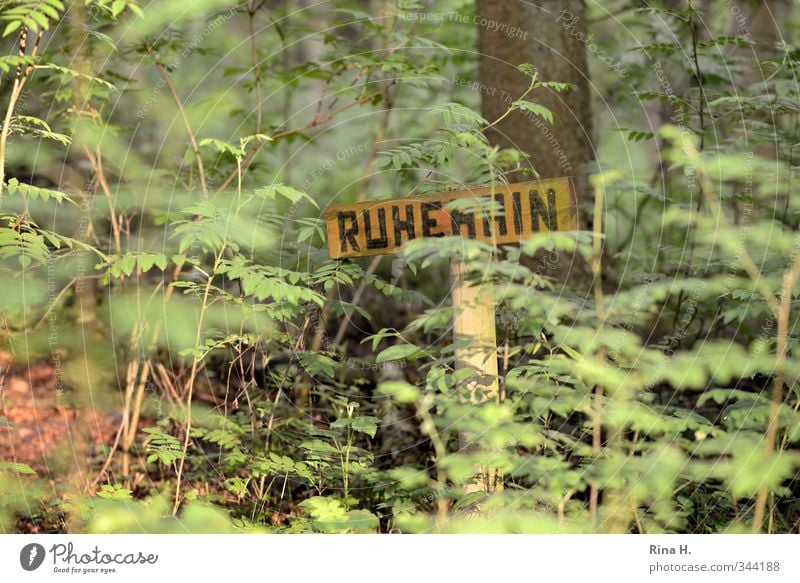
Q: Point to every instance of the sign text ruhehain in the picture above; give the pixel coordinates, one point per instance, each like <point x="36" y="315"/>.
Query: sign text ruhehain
<point x="500" y="215"/>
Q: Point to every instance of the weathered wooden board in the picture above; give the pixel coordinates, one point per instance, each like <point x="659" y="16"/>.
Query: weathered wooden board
<point x="514" y="213"/>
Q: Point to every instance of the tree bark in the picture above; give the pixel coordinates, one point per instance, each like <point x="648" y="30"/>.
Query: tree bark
<point x="551" y="35"/>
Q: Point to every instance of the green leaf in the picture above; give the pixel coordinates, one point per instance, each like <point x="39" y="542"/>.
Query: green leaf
<point x="328" y="513"/>
<point x="316" y="363"/>
<point x="362" y="521"/>
<point x="293" y="194"/>
<point x="288" y="192"/>
<point x="556" y="85"/>
<point x="409" y="477"/>
<point x="161" y="261"/>
<point x="11" y="27"/>
<point x="127" y="264"/>
<point x="752" y="470"/>
<point x="399" y="352"/>
<point x="341" y="423"/>
<point x="222" y="147"/>
<point x="117" y="6"/>
<point x="469" y="500"/>
<point x="380" y="335"/>
<point x="366" y="424"/>
<point x="254" y="137"/>
<point x="534" y="108"/>
<point x="400" y="391"/>
<point x="115" y="492"/>
<point x="16" y="467"/>
<point x="146" y="262"/>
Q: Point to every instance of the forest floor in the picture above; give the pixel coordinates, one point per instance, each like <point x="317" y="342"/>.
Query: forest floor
<point x="40" y="429"/>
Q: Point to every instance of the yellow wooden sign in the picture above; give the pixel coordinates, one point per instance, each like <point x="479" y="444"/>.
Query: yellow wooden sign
<point x="499" y="215"/>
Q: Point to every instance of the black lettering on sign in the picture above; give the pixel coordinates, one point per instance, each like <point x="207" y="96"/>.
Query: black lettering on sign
<point x="499" y="219"/>
<point x="468" y="219"/>
<point x="407" y="225"/>
<point x="551" y="205"/>
<point x="382" y="241"/>
<point x="504" y="214"/>
<point x="348" y="234"/>
<point x="516" y="199"/>
<point x="546" y="211"/>
<point x="429" y="222"/>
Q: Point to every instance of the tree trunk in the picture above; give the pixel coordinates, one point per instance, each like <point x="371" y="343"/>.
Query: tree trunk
<point x="761" y="22"/>
<point x="551" y="36"/>
<point x="511" y="33"/>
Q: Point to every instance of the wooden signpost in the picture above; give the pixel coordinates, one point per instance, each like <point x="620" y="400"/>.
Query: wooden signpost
<point x="498" y="215"/>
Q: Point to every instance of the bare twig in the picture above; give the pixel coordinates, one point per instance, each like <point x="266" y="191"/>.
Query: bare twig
<point x="195" y="148"/>
<point x="256" y="71"/>
<point x="782" y="348"/>
<point x="316" y="122"/>
<point x="16" y="91"/>
<point x="97" y="165"/>
<point x="597" y="266"/>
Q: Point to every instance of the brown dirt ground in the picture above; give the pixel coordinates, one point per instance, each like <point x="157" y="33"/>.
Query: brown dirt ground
<point x="45" y="432"/>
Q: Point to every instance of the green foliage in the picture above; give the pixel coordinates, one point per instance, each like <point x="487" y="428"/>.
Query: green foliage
<point x="161" y="447"/>
<point x="114" y="492"/>
<point x="34" y="15"/>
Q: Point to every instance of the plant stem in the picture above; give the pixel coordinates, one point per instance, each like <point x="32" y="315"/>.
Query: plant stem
<point x="790" y="277"/>
<point x="192" y="375"/>
<point x="597" y="267"/>
<point x="251" y="13"/>
<point x="530" y="88"/>
<point x="312" y="124"/>
<point x="195" y="148"/>
<point x="429" y="427"/>
<point x="97" y="163"/>
<point x="16" y="92"/>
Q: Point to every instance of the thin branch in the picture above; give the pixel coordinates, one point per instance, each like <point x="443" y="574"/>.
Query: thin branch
<point x="16" y="92"/>
<point x="597" y="266"/>
<point x="790" y="277"/>
<point x="310" y="125"/>
<point x="693" y="26"/>
<point x="532" y="86"/>
<point x="195" y="148"/>
<point x="256" y="72"/>
<point x="97" y="165"/>
<point x="190" y="389"/>
<point x="356" y="298"/>
<point x="707" y="188"/>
